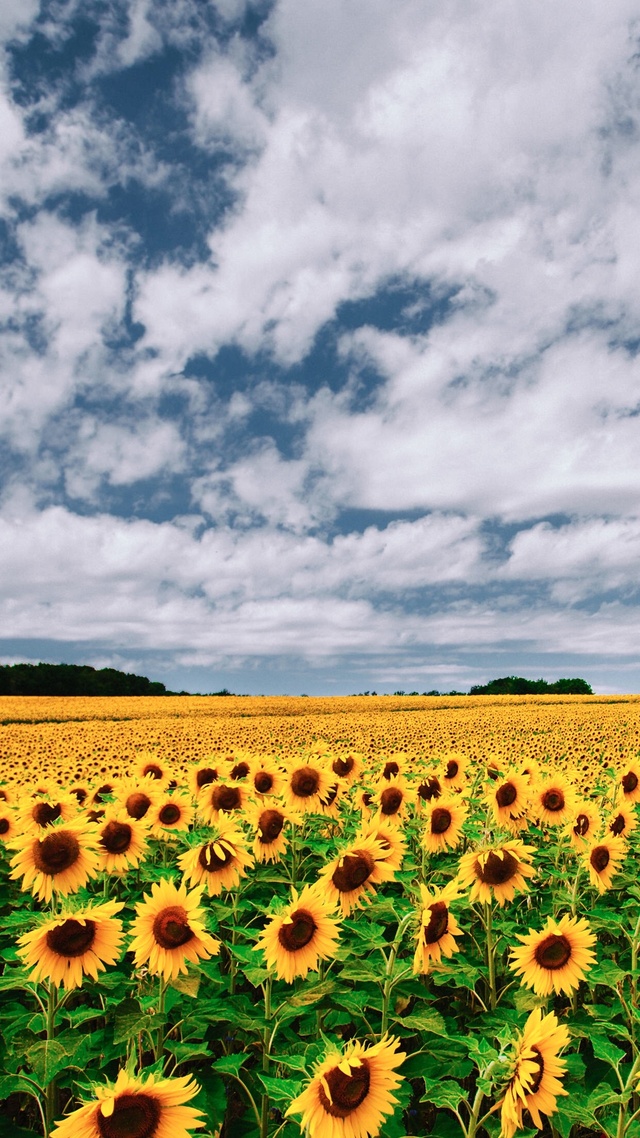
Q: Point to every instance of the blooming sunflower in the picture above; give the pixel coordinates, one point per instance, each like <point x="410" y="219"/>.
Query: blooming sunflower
<point x="351" y="1092"/>
<point x="169" y="930"/>
<point x="221" y="798"/>
<point x="299" y="937"/>
<point x="202" y="774"/>
<point x="347" y="766"/>
<point x="444" y="818"/>
<point x="138" y="796"/>
<point x="392" y="799"/>
<point x="603" y="858"/>
<point x="630" y="782"/>
<point x="172" y="815"/>
<point x="270" y="841"/>
<point x="307" y="783"/>
<point x="555" y="959"/>
<point x="389" y="837"/>
<point x="266" y="777"/>
<point x="437" y="927"/>
<point x="59" y="860"/>
<point x="499" y="868"/>
<point x="393" y="766"/>
<point x="535" y="1082"/>
<point x="8" y="826"/>
<point x="508" y="798"/>
<point x="583" y="825"/>
<point x="135" y="1108"/>
<point x="220" y="862"/>
<point x="122" y="841"/>
<point x="553" y="800"/>
<point x="44" y="809"/>
<point x="74" y="944"/>
<point x="430" y="787"/>
<point x="151" y="767"/>
<point x="352" y="876"/>
<point x="622" y="820"/>
<point x="454" y="767"/>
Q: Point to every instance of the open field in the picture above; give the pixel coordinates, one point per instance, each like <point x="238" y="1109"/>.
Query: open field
<point x="347" y="917"/>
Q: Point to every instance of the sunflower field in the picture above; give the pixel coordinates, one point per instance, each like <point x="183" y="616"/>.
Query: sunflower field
<point x="339" y="918"/>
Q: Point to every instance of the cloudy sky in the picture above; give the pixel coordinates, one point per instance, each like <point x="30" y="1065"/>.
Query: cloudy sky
<point x="321" y="322"/>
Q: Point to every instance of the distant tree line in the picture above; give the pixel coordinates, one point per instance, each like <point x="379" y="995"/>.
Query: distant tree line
<point x="516" y="685"/>
<point x="74" y="679"/>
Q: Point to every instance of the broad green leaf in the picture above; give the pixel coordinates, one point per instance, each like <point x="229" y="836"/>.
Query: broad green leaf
<point x="281" y="1090"/>
<point x="229" y="1064"/>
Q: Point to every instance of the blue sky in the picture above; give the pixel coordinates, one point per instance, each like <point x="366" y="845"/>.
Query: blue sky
<point x="320" y="328"/>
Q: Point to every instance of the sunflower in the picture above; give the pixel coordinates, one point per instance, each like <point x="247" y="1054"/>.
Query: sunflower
<point x="437" y="927"/>
<point x="364" y="801"/>
<point x="508" y="798"/>
<point x="122" y="841"/>
<point x="629" y="782"/>
<point x="221" y="798"/>
<point x="583" y="825"/>
<point x="393" y="766"/>
<point x="390" y="839"/>
<point x="430" y="787"/>
<point x="44" y="809"/>
<point x="60" y="860"/>
<point x="622" y="820"/>
<point x="300" y="936"/>
<point x="351" y="1092"/>
<point x="220" y="862"/>
<point x="169" y="930"/>
<point x="330" y="803"/>
<point x="172" y="815"/>
<point x="138" y="796"/>
<point x="444" y="820"/>
<point x="8" y="827"/>
<point x="391" y="799"/>
<point x="307" y="783"/>
<point x="555" y="959"/>
<point x="74" y="944"/>
<point x="499" y="868"/>
<point x="454" y="767"/>
<point x="603" y="858"/>
<point x="553" y="800"/>
<point x="270" y="841"/>
<point x="354" y="874"/>
<point x="347" y="766"/>
<point x="537" y="1069"/>
<point x="266" y="777"/>
<point x="150" y="1107"/>
<point x="151" y="768"/>
<point x="203" y="774"/>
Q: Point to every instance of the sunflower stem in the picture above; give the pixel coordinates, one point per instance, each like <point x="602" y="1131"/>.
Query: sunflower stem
<point x="159" y="1043"/>
<point x="388" y="972"/>
<point x="491" y="955"/>
<point x="475" y="1114"/>
<point x="51" y="1099"/>
<point x="574" y="891"/>
<point x="635" y="945"/>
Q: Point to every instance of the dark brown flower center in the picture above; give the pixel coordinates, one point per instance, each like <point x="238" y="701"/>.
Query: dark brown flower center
<point x="438" y="923"/>
<point x="506" y="794"/>
<point x="116" y="837"/>
<point x="169" y="814"/>
<point x="440" y="820"/>
<point x="537" y="1078"/>
<point x="102" y="792"/>
<point x="226" y="798"/>
<point x="152" y="769"/>
<point x="342" y="767"/>
<point x="430" y="789"/>
<point x="600" y="858"/>
<point x="629" y="782"/>
<point x="497" y="869"/>
<point x="5" y="825"/>
<point x="367" y="798"/>
<point x="582" y="825"/>
<point x="263" y="782"/>
<point x="391" y="800"/>
<point x="270" y="825"/>
<point x="452" y="769"/>
<point x="210" y="860"/>
<point x="553" y="801"/>
<point x="352" y="872"/>
<point x="3" y="795"/>
<point x="171" y="927"/>
<point x="56" y="853"/>
<point x="71" y="938"/>
<point x="347" y="1091"/>
<point x="80" y="793"/>
<point x="205" y="776"/>
<point x="305" y="782"/>
<point x="618" y="824"/>
<point x="137" y="804"/>
<point x="390" y="769"/>
<point x="241" y="770"/>
<point x="134" y="1116"/>
<point x="553" y="952"/>
<point x="298" y="932"/>
<point x="46" y="812"/>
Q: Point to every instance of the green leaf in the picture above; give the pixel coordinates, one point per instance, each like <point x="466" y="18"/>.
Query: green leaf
<point x="604" y="1049"/>
<point x="229" y="1064"/>
<point x="188" y="985"/>
<point x="46" y="1059"/>
<point x="15" y="1084"/>
<point x="604" y="1095"/>
<point x="424" y="1021"/>
<point x="311" y="994"/>
<point x="281" y="1090"/>
<point x="445" y="1093"/>
<point x="129" y="1026"/>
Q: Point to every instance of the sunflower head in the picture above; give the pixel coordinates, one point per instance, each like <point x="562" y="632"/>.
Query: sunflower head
<point x="169" y="930"/>
<point x="76" y="943"/>
<point x="603" y="858"/>
<point x="59" y="860"/>
<point x="497" y="870"/>
<point x="444" y="818"/>
<point x="534" y="1083"/>
<point x="299" y="936"/>
<point x="149" y="1107"/>
<point x="220" y="861"/>
<point x="437" y="928"/>
<point x="557" y="958"/>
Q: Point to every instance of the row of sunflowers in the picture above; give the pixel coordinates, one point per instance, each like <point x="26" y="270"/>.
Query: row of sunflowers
<point x="347" y="946"/>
